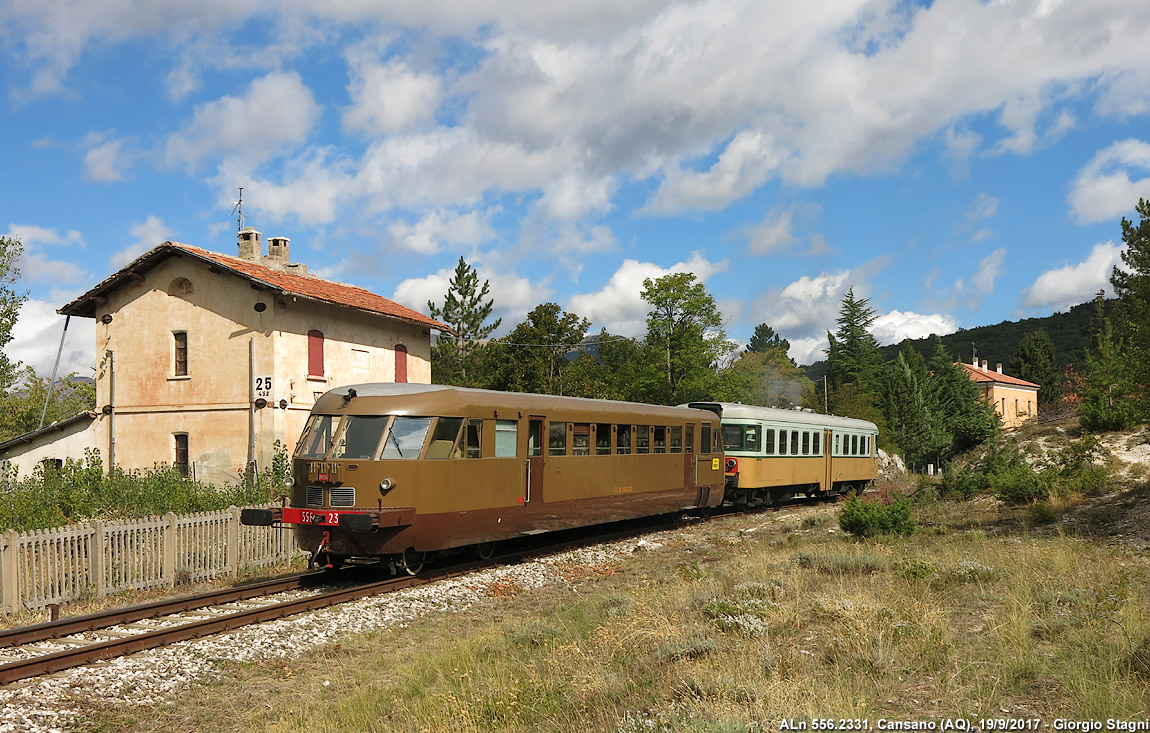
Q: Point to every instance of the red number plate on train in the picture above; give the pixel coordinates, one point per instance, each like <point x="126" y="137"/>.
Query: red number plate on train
<point x="308" y="516"/>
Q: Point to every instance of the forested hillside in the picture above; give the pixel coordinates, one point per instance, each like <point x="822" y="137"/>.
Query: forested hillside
<point x="1069" y="331"/>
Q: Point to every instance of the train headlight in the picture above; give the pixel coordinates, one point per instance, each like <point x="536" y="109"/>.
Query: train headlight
<point x="289" y="482"/>
<point x="386" y="485"/>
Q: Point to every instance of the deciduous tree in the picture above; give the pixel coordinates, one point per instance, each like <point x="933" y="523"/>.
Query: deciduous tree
<point x="685" y="333"/>
<point x="533" y="357"/>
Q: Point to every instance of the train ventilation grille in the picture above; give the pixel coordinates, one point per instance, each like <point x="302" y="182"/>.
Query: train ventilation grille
<point x="315" y="496"/>
<point x="341" y="496"/>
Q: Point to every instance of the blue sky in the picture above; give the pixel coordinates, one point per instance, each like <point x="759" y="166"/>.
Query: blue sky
<point x="959" y="162"/>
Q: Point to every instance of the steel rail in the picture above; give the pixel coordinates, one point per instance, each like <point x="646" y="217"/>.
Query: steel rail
<point x="59" y="661"/>
<point x="102" y="650"/>
<point x="22" y="635"/>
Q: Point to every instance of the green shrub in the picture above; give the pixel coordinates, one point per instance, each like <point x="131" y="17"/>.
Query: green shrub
<point x="869" y="519"/>
<point x="961" y="482"/>
<point x="80" y="491"/>
<point x="1019" y="484"/>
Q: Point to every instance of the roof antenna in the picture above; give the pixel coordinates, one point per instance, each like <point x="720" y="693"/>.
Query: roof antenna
<point x="239" y="208"/>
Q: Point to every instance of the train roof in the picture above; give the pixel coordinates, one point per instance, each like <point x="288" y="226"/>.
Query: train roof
<point x="739" y="411"/>
<point x="443" y="399"/>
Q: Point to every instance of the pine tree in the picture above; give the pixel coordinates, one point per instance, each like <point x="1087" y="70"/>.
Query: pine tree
<point x="766" y="339"/>
<point x="1033" y="361"/>
<point x="1132" y="285"/>
<point x="465" y="309"/>
<point x="1107" y="396"/>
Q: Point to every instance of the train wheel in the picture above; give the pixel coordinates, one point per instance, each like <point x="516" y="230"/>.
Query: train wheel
<point x="485" y="550"/>
<point x="412" y="561"/>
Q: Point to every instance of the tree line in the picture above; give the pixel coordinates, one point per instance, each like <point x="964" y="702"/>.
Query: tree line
<point x="685" y="354"/>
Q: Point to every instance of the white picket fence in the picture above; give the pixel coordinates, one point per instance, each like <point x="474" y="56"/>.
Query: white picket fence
<point x="94" y="559"/>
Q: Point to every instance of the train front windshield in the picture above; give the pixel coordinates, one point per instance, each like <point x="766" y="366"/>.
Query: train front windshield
<point x="358" y="437"/>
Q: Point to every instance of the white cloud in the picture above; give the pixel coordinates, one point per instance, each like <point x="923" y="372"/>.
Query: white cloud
<point x="571" y="196"/>
<point x="442" y="228"/>
<point x="1103" y="188"/>
<point x="277" y="111"/>
<point x="146" y="234"/>
<point x="893" y="327"/>
<point x="1071" y="284"/>
<point x="989" y="268"/>
<point x="747" y="162"/>
<point x="619" y="307"/>
<point x="958" y="146"/>
<point x="982" y="208"/>
<point x="773" y="233"/>
<point x="390" y="98"/>
<point x="36" y="338"/>
<point x="36" y="265"/>
<point x="106" y="162"/>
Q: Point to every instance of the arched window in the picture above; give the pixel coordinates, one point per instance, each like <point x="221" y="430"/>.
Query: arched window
<point x="315" y="353"/>
<point x="400" y="363"/>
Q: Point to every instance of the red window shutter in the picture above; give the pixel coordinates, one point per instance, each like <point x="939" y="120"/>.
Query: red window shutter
<point x="400" y="363"/>
<point x="315" y="353"/>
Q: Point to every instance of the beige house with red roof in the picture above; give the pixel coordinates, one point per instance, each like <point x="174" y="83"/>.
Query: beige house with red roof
<point x="207" y="360"/>
<point x="1015" y="400"/>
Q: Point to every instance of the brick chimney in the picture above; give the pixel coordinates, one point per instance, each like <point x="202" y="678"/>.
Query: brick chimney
<point x="278" y="248"/>
<point x="251" y="245"/>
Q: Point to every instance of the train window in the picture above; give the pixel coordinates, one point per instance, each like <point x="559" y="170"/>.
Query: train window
<point x="769" y="441"/>
<point x="717" y="445"/>
<point x="359" y="436"/>
<point x="506" y="438"/>
<point x="794" y="442"/>
<point x="535" y="438"/>
<point x="405" y="439"/>
<point x="732" y="437"/>
<point x="806" y="443"/>
<point x="837" y="451"/>
<point x="603" y="439"/>
<point x="474" y="437"/>
<point x="642" y="439"/>
<point x="782" y="442"/>
<point x="816" y="448"/>
<point x="316" y="437"/>
<point x="581" y="439"/>
<point x="705" y="438"/>
<point x="557" y="439"/>
<point x="677" y="439"/>
<point x="854" y="445"/>
<point x="866" y="445"/>
<point x="689" y="440"/>
<point x="659" y="439"/>
<point x="444" y="437"/>
<point x="623" y="438"/>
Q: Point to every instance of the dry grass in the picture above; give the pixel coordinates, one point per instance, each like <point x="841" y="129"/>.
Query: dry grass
<point x="761" y="619"/>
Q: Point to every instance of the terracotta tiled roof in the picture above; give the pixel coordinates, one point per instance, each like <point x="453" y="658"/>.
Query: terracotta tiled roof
<point x="303" y="286"/>
<point x="992" y="376"/>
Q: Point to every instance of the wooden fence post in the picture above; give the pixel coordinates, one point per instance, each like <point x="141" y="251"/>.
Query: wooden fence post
<point x="9" y="580"/>
<point x="234" y="539"/>
<point x="169" y="571"/>
<point x="97" y="557"/>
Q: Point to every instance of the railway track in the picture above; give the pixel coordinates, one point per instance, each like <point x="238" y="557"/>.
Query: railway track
<point x="52" y="647"/>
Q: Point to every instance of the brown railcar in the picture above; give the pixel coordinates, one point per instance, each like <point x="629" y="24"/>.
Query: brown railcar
<point x="401" y="470"/>
<point x="773" y="454"/>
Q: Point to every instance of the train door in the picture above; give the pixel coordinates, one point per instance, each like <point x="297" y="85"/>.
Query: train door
<point x="703" y="461"/>
<point x="690" y="469"/>
<point x="828" y="475"/>
<point x="535" y="453"/>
